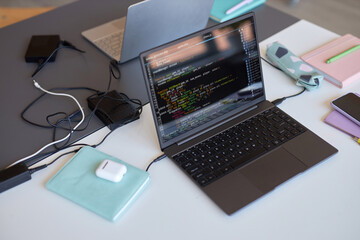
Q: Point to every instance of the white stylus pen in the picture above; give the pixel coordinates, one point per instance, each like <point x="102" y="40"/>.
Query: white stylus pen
<point x="237" y="6"/>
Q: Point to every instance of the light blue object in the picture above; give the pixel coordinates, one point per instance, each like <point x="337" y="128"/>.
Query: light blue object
<point x="304" y="75"/>
<point x="77" y="182"/>
<point x="219" y="8"/>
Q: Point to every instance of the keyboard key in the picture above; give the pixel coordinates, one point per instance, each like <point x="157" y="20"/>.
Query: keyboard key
<point x="193" y="170"/>
<point x="188" y="164"/>
<point x="226" y="169"/>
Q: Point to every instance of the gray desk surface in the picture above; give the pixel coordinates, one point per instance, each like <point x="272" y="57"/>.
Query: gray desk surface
<point x="71" y="69"/>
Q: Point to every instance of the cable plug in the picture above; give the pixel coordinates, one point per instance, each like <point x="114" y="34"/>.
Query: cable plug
<point x="69" y="45"/>
<point x="278" y="101"/>
<point x="155" y="160"/>
<point x="36" y="84"/>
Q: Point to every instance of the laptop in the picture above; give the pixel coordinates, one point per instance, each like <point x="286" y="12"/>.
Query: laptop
<point x="207" y="97"/>
<point x="149" y="24"/>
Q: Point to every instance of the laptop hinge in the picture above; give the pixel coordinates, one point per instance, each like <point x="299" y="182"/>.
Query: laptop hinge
<point x="216" y="125"/>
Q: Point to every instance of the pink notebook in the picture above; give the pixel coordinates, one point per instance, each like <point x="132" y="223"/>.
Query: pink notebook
<point x="342" y="71"/>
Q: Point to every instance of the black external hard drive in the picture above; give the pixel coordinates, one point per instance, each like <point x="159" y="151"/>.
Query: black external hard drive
<point x="41" y="47"/>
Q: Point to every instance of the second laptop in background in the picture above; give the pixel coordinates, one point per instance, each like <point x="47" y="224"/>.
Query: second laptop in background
<point x="149" y="24"/>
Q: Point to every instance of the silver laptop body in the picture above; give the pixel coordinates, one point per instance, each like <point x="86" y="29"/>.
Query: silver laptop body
<point x="149" y="24"/>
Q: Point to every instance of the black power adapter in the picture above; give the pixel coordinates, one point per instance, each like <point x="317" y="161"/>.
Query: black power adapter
<point x="13" y="176"/>
<point x="114" y="109"/>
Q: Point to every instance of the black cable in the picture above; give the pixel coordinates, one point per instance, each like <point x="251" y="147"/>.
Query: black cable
<point x="156" y="160"/>
<point x="124" y="99"/>
<point x="33" y="170"/>
<point x="67" y="118"/>
<point x="22" y="115"/>
<point x="70" y="45"/>
<point x="65" y="44"/>
<point x="57" y="125"/>
<point x="42" y="156"/>
<point x="271" y="64"/>
<point x="103" y="140"/>
<point x="113" y="68"/>
<point x="297" y="94"/>
<point x="114" y="72"/>
<point x="280" y="100"/>
<point x="71" y="131"/>
<point x="48" y="118"/>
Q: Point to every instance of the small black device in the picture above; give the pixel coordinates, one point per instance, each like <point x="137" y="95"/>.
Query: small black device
<point x="41" y="47"/>
<point x="13" y="176"/>
<point x="114" y="109"/>
<point x="348" y="105"/>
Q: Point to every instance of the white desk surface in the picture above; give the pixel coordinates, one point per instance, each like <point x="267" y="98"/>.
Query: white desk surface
<point x="321" y="203"/>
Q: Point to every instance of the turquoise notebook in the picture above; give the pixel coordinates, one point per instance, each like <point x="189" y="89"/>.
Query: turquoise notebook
<point x="219" y="8"/>
<point x="77" y="182"/>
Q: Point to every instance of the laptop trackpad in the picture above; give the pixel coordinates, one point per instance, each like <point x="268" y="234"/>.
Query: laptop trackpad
<point x="272" y="169"/>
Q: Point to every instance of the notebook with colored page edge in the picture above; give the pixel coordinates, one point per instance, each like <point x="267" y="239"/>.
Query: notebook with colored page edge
<point x="341" y="122"/>
<point x="219" y="8"/>
<point x="343" y="71"/>
<point x="77" y="182"/>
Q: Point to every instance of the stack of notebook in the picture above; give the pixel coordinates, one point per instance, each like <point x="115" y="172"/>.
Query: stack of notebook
<point x="341" y="122"/>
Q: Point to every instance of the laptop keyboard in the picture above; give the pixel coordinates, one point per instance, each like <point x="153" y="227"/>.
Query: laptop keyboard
<point x="238" y="145"/>
<point x="111" y="44"/>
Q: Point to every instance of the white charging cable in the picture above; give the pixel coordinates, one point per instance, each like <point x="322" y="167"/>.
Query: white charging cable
<point x="37" y="85"/>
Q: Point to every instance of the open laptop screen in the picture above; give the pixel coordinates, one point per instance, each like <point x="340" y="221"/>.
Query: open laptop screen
<point x="203" y="78"/>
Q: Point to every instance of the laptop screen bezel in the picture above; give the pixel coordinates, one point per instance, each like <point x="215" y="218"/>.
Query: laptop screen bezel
<point x="190" y="133"/>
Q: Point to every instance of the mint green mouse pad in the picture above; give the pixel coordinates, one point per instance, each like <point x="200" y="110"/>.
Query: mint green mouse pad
<point x="77" y="182"/>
